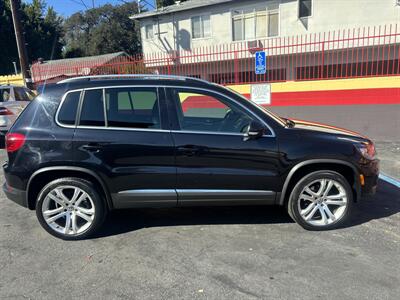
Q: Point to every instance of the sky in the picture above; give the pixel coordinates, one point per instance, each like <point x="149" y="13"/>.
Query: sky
<point x="68" y="7"/>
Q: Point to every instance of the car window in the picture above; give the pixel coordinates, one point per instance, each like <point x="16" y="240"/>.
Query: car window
<point x="209" y="112"/>
<point x="92" y="112"/>
<point x="67" y="113"/>
<point x="20" y="94"/>
<point x="4" y="95"/>
<point x="133" y="107"/>
<point x="30" y="94"/>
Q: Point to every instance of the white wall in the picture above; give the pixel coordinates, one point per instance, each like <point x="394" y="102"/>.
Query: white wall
<point x="331" y="15"/>
<point x="327" y="15"/>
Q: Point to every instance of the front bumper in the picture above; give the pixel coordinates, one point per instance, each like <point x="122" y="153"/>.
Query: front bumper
<point x="370" y="171"/>
<point x="369" y="188"/>
<point x="16" y="195"/>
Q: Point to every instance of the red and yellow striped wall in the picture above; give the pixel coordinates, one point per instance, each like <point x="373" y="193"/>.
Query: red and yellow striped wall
<point x="357" y="91"/>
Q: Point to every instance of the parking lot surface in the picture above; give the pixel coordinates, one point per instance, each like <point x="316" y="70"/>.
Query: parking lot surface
<point x="389" y="154"/>
<point x="205" y="253"/>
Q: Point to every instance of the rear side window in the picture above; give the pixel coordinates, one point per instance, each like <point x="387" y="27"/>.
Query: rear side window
<point x="133" y="107"/>
<point x="67" y="113"/>
<point x="92" y="113"/>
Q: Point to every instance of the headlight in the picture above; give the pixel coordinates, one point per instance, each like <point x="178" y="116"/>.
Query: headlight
<point x="367" y="150"/>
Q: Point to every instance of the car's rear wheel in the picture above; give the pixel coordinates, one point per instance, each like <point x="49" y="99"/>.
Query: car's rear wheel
<point x="321" y="200"/>
<point x="70" y="208"/>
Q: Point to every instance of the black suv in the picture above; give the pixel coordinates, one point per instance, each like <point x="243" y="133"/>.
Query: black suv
<point x="92" y="144"/>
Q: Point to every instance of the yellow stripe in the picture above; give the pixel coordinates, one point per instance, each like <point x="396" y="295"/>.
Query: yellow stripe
<point x="327" y="85"/>
<point x="240" y="88"/>
<point x="12" y="79"/>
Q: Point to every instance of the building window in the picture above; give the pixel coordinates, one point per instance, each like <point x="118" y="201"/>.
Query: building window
<point x="305" y="8"/>
<point x="252" y="24"/>
<point x="273" y="24"/>
<point x="398" y="2"/>
<point x="149" y="31"/>
<point x="201" y="27"/>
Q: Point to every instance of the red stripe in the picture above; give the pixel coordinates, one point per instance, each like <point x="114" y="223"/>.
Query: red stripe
<point x="336" y="97"/>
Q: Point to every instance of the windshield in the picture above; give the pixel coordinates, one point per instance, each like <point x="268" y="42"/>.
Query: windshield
<point x="274" y="116"/>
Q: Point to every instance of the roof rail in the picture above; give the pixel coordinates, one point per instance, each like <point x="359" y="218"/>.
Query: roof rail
<point x="141" y="76"/>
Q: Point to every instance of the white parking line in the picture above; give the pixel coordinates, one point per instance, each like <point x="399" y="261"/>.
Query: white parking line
<point x="390" y="180"/>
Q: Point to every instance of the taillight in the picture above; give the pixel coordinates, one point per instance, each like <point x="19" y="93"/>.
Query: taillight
<point x="4" y="111"/>
<point x="14" y="141"/>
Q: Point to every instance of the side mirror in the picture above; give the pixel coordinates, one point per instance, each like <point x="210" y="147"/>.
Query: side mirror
<point x="254" y="131"/>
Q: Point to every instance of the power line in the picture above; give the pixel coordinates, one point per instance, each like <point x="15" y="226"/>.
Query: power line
<point x="84" y="4"/>
<point x="77" y="2"/>
<point x="145" y="1"/>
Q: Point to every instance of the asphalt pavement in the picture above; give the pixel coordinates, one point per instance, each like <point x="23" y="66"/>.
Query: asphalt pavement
<point x="205" y="253"/>
<point x="389" y="155"/>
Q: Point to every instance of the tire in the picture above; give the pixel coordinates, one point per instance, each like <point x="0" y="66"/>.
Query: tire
<point x="79" y="207"/>
<point x="310" y="201"/>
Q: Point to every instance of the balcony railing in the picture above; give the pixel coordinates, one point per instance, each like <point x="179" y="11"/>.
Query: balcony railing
<point x="349" y="53"/>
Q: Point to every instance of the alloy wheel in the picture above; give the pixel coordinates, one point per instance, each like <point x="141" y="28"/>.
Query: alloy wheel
<point x="68" y="210"/>
<point x="322" y="202"/>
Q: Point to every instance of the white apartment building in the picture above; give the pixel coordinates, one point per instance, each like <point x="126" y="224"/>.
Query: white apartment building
<point x="195" y="24"/>
<point x="199" y="23"/>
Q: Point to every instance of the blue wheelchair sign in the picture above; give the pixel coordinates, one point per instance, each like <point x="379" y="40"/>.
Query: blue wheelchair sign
<point x="260" y="63"/>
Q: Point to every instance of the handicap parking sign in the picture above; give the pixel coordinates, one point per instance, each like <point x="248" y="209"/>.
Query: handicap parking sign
<point x="260" y="62"/>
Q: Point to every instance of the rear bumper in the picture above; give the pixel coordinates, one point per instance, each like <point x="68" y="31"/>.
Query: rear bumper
<point x="16" y="195"/>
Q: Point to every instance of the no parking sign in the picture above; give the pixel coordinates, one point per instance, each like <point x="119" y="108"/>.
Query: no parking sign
<point x="261" y="93"/>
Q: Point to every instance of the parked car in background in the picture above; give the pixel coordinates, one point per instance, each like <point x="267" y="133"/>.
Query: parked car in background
<point x="13" y="100"/>
<point x="92" y="144"/>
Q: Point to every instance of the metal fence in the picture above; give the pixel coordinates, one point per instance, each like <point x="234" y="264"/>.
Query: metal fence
<point x="347" y="53"/>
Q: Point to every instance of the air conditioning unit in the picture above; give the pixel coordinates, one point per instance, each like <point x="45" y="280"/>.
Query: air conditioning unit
<point x="254" y="46"/>
<point x="173" y="55"/>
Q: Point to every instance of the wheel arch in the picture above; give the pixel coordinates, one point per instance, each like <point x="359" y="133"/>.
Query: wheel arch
<point x="44" y="175"/>
<point x="321" y="164"/>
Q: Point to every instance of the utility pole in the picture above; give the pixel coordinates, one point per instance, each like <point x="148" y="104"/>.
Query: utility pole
<point x="23" y="57"/>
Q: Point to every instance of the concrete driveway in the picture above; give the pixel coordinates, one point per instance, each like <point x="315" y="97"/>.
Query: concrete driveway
<point x="205" y="253"/>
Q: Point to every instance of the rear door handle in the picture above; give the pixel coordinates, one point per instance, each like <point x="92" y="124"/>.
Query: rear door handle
<point x="93" y="147"/>
<point x="189" y="150"/>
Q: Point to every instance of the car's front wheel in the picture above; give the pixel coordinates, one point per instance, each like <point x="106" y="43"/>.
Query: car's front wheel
<point x="70" y="208"/>
<point x="321" y="200"/>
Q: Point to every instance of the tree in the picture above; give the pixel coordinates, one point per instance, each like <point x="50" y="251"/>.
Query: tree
<point x="163" y="3"/>
<point x="42" y="30"/>
<point x="102" y="30"/>
<point x="8" y="49"/>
